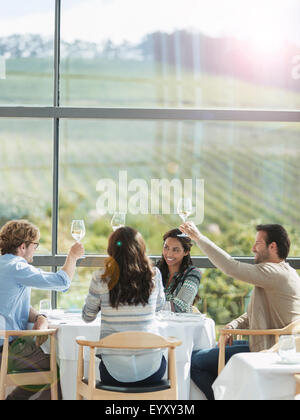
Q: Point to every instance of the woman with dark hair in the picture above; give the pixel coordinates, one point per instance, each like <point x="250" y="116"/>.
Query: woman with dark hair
<point x="128" y="292"/>
<point x="181" y="278"/>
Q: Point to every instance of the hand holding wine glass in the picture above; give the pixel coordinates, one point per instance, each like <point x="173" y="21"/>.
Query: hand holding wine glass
<point x="184" y="210"/>
<point x="78" y="230"/>
<point x="76" y="250"/>
<point x="191" y="230"/>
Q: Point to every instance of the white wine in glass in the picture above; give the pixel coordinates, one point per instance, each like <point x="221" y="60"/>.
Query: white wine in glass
<point x="45" y="306"/>
<point x="78" y="230"/>
<point x="118" y="220"/>
<point x="184" y="210"/>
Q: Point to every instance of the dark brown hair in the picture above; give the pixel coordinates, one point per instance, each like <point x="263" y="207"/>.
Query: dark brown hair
<point x="16" y="232"/>
<point x="277" y="233"/>
<point x="128" y="270"/>
<point x="186" y="261"/>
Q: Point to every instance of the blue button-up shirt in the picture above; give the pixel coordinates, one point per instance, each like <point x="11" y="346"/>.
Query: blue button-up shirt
<point x="17" y="277"/>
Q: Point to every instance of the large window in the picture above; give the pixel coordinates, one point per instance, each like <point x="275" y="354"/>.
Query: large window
<point x="176" y="53"/>
<point x="121" y="104"/>
<point x="26" y="52"/>
<point x="250" y="172"/>
<point x="26" y="173"/>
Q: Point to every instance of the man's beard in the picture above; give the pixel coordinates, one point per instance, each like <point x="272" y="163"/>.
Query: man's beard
<point x="262" y="257"/>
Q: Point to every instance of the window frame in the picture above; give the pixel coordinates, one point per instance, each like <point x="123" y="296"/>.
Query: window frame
<point x="57" y="113"/>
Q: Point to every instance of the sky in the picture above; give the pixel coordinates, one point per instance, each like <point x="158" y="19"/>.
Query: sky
<point x="264" y="22"/>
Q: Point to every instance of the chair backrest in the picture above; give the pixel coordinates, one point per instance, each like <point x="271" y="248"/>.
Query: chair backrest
<point x="292" y="328"/>
<point x="195" y="310"/>
<point x="297" y="390"/>
<point x="28" y="378"/>
<point x="132" y="340"/>
<point x="297" y="344"/>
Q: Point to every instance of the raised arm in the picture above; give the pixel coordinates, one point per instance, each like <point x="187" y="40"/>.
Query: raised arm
<point x="261" y="275"/>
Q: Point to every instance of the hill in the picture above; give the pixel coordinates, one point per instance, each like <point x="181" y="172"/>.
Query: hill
<point x="250" y="170"/>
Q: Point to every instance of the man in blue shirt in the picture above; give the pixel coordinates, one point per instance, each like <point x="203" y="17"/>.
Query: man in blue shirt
<point x="19" y="240"/>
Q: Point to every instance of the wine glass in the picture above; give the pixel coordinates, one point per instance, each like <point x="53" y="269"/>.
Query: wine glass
<point x="118" y="220"/>
<point x="184" y="210"/>
<point x="286" y="347"/>
<point x="167" y="307"/>
<point x="45" y="306"/>
<point x="78" y="230"/>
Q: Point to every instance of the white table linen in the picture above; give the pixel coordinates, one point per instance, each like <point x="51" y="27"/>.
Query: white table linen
<point x="196" y="332"/>
<point x="256" y="376"/>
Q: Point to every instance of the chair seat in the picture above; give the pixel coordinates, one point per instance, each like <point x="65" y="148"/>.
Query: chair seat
<point x="131" y="389"/>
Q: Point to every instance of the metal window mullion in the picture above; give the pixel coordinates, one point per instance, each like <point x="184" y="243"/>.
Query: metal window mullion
<point x="56" y="97"/>
<point x="56" y="93"/>
<point x="96" y="261"/>
<point x="55" y="202"/>
<point x="157" y="114"/>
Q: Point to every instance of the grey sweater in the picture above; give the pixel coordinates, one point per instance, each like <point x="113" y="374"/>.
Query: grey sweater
<point x="275" y="300"/>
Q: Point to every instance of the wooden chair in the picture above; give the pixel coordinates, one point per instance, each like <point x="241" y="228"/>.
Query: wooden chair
<point x="292" y="328"/>
<point x="297" y="392"/>
<point x="26" y="377"/>
<point x="92" y="390"/>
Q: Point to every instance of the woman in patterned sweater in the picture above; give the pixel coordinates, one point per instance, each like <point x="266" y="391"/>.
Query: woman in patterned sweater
<point x="128" y="291"/>
<point x="181" y="279"/>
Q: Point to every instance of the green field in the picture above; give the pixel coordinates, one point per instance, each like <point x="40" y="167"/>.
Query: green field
<point x="251" y="171"/>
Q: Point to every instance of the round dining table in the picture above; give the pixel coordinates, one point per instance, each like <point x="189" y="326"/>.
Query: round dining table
<point x="196" y="331"/>
<point x="257" y="376"/>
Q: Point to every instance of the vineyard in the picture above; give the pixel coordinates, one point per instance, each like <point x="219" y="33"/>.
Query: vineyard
<point x="251" y="171"/>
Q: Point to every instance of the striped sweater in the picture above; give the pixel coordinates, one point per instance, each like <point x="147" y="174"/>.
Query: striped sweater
<point x="130" y="366"/>
<point x="186" y="290"/>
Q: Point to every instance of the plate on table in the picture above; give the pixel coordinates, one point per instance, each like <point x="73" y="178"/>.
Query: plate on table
<point x="183" y="317"/>
<point x="179" y="317"/>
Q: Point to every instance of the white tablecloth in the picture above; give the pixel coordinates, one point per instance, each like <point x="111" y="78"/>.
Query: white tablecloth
<point x="256" y="376"/>
<point x="196" y="332"/>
